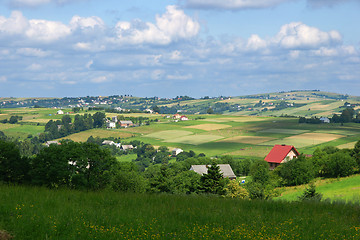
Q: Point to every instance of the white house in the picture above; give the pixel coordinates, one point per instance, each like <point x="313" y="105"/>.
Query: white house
<point x="325" y="120"/>
<point x="184" y="118"/>
<point x="110" y="124"/>
<point x="176" y="151"/>
<point x="127" y="147"/>
<point x="60" y="112"/>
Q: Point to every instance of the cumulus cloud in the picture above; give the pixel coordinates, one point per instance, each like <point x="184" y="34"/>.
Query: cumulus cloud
<point x="34" y="29"/>
<point x="171" y="26"/>
<point x="32" y="52"/>
<point x="3" y="79"/>
<point x="86" y="23"/>
<point x="298" y="35"/>
<point x="100" y="79"/>
<point x="233" y="4"/>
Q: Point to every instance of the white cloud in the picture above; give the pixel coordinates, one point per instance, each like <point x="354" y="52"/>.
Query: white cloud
<point x="37" y="3"/>
<point x="100" y="79"/>
<point x="15" y="24"/>
<point x="3" y="79"/>
<point x="85" y="23"/>
<point x="255" y="43"/>
<point x="88" y="64"/>
<point x="157" y="74"/>
<point x="298" y="35"/>
<point x="171" y="26"/>
<point x="233" y="4"/>
<point x="328" y="3"/>
<point x="32" y="52"/>
<point x="34" y="67"/>
<point x="178" y="76"/>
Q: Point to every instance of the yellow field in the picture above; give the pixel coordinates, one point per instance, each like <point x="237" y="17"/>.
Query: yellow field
<point x="194" y="139"/>
<point x="256" y="151"/>
<point x="324" y="137"/>
<point x="347" y="145"/>
<point x="102" y="133"/>
<point x="37" y="120"/>
<point x="209" y="126"/>
<point x="244" y="119"/>
<point x="247" y="139"/>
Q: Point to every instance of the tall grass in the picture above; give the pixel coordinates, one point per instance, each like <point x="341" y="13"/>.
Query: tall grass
<point x="38" y="213"/>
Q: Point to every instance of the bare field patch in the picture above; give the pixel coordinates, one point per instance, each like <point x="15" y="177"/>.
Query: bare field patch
<point x="247" y="139"/>
<point x="194" y="139"/>
<point x="37" y="120"/>
<point x="244" y="119"/>
<point x="102" y="133"/>
<point x="325" y="137"/>
<point x="209" y="126"/>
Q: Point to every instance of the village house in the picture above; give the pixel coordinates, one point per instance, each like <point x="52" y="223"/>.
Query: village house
<point x="184" y="118"/>
<point x="48" y="143"/>
<point x="177" y="116"/>
<point x="127" y="147"/>
<point x="115" y="119"/>
<point x="280" y="154"/>
<point x="110" y="124"/>
<point x="110" y="143"/>
<point x="176" y="151"/>
<point x="325" y="120"/>
<point x="225" y="170"/>
<point x="60" y="112"/>
<point x="126" y="123"/>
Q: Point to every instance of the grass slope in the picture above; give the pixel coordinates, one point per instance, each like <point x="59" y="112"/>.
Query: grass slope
<point x="38" y="213"/>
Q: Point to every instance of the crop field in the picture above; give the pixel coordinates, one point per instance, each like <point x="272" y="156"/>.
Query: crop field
<point x="347" y="145"/>
<point x="169" y="134"/>
<point x="305" y="139"/>
<point x="284" y="131"/>
<point x="209" y="126"/>
<point x="248" y="139"/>
<point x="194" y="139"/>
<point x="102" y="133"/>
<point x="255" y="151"/>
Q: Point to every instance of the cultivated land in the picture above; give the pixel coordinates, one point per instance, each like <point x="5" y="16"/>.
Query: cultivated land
<point x="214" y="135"/>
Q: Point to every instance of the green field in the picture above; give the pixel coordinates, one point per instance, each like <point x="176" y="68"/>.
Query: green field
<point x="39" y="213"/>
<point x="344" y="189"/>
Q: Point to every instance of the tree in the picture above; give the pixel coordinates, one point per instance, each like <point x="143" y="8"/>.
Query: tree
<point x="259" y="172"/>
<point x="213" y="182"/>
<point x="186" y="182"/>
<point x="234" y="190"/>
<point x="296" y="172"/>
<point x="340" y="164"/>
<point x="13" y="119"/>
<point x="98" y="118"/>
<point x="310" y="194"/>
<point x="13" y="167"/>
<point x="156" y="109"/>
<point x="209" y="111"/>
<point x="356" y="152"/>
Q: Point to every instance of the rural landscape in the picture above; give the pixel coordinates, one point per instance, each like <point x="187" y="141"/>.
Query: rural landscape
<point x="81" y="168"/>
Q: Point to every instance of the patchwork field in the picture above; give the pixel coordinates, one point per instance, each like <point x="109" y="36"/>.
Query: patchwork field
<point x="102" y="133"/>
<point x="347" y="145"/>
<point x="194" y="139"/>
<point x="283" y="131"/>
<point x="305" y="139"/>
<point x="255" y="151"/>
<point x="247" y="139"/>
<point x="209" y="126"/>
<point x="169" y="134"/>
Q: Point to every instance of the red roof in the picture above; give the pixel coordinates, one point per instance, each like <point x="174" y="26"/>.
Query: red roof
<point x="279" y="152"/>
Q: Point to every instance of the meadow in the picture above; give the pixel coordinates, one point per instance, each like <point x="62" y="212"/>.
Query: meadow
<point x="39" y="213"/>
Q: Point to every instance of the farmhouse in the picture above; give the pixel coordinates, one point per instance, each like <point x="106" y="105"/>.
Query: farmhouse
<point x="177" y="116"/>
<point x="325" y="120"/>
<point x="225" y="169"/>
<point x="110" y="143"/>
<point x="110" y="124"/>
<point x="126" y="124"/>
<point x="280" y="154"/>
<point x="48" y="143"/>
<point x="184" y="118"/>
<point x="127" y="147"/>
<point x="176" y="151"/>
<point x="60" y="112"/>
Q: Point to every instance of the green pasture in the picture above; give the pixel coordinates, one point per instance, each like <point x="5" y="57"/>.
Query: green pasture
<point x="194" y="139"/>
<point x="283" y="131"/>
<point x="126" y="157"/>
<point x="21" y="131"/>
<point x="344" y="189"/>
<point x="38" y="213"/>
<point x="102" y="133"/>
<point x="169" y="134"/>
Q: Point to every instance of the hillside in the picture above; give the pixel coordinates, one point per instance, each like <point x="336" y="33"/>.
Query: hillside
<point x="295" y="103"/>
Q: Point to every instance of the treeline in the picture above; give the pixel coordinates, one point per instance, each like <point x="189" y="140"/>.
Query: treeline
<point x="347" y="115"/>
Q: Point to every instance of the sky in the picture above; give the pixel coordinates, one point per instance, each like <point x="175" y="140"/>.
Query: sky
<point x="168" y="48"/>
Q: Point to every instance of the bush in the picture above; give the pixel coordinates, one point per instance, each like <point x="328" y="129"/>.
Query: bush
<point x="310" y="194"/>
<point x="296" y="172"/>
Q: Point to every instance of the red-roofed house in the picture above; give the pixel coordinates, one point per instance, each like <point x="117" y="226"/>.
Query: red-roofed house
<point x="280" y="154"/>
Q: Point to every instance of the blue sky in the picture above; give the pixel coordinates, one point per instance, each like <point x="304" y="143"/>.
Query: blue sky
<point x="165" y="48"/>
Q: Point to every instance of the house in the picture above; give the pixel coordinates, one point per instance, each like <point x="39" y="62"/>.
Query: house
<point x="110" y="124"/>
<point x="60" y="112"/>
<point x="225" y="170"/>
<point x="149" y="111"/>
<point x="127" y="147"/>
<point x="325" y="120"/>
<point x="177" y="116"/>
<point x="115" y="119"/>
<point x="110" y="143"/>
<point x="280" y="154"/>
<point x="176" y="151"/>
<point x="184" y="118"/>
<point x="48" y="143"/>
<point x="126" y="123"/>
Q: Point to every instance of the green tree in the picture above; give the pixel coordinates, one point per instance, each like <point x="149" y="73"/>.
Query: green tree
<point x="310" y="194"/>
<point x="13" y="167"/>
<point x="340" y="164"/>
<point x="234" y="190"/>
<point x="186" y="182"/>
<point x="259" y="172"/>
<point x="13" y="119"/>
<point x="298" y="171"/>
<point x="213" y="182"/>
<point x="209" y="111"/>
<point x="98" y="119"/>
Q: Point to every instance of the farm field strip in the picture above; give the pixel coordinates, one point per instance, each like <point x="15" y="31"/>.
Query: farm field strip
<point x="169" y="134"/>
<point x="102" y="133"/>
<point x="255" y="151"/>
<point x="283" y="131"/>
<point x="347" y="145"/>
<point x="209" y="127"/>
<point x="248" y="139"/>
<point x="194" y="139"/>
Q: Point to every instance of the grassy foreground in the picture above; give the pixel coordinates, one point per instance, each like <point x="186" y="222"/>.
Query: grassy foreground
<point x="38" y="213"/>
